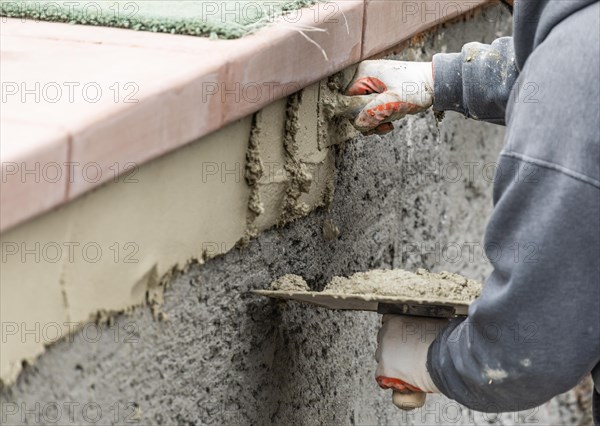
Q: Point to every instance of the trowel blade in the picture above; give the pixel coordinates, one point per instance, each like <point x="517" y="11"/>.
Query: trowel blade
<point x="376" y="303"/>
<point x="422" y="310"/>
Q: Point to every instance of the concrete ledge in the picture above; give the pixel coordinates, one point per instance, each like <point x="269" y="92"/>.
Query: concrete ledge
<point x="120" y="98"/>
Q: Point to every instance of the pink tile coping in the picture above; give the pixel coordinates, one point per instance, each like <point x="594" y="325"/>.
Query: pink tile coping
<point x="390" y="22"/>
<point x="34" y="178"/>
<point x="103" y="100"/>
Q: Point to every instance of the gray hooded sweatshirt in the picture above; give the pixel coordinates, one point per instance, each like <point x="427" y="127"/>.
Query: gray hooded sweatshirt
<point x="535" y="330"/>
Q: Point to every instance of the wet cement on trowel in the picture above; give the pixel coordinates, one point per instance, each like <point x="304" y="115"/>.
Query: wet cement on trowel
<point x="442" y="286"/>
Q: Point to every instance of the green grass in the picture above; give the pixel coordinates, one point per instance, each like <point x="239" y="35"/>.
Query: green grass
<point x="215" y="19"/>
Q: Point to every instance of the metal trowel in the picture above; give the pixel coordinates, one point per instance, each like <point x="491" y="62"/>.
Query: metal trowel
<point x="431" y="307"/>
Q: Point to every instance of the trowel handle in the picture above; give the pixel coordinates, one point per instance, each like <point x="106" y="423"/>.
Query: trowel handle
<point x="404" y="396"/>
<point x="408" y="400"/>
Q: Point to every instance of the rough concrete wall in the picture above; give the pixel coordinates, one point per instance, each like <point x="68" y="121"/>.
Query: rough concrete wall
<point x="418" y="197"/>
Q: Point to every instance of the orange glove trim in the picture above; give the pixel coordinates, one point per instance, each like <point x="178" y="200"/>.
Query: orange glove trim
<point x="366" y="86"/>
<point x="396" y="384"/>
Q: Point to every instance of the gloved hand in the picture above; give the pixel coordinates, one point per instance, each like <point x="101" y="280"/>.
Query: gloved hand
<point x="402" y="345"/>
<point x="404" y="88"/>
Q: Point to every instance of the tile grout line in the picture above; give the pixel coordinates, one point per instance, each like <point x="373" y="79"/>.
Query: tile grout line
<point x="362" y="29"/>
<point x="69" y="161"/>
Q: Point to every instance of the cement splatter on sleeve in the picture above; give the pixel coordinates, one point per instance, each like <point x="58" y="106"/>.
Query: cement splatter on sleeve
<point x="476" y="82"/>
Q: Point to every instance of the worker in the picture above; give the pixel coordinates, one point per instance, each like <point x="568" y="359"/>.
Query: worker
<point x="535" y="330"/>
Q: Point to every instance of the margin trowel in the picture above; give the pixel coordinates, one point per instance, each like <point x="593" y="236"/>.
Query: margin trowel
<point x="432" y="307"/>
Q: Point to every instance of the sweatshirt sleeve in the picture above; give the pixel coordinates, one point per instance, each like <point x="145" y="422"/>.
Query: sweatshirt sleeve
<point x="476" y="82"/>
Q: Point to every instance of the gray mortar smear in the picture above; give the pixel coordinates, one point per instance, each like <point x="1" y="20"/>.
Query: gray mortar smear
<point x="253" y="172"/>
<point x="334" y="124"/>
<point x="333" y="129"/>
<point x="300" y="178"/>
<point x="443" y="286"/>
<point x="330" y="230"/>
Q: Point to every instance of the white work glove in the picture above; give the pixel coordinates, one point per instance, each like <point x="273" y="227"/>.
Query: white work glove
<point x="403" y="87"/>
<point x="402" y="346"/>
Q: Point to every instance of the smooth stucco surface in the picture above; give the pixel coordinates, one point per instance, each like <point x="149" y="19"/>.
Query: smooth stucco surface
<point x="104" y="252"/>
